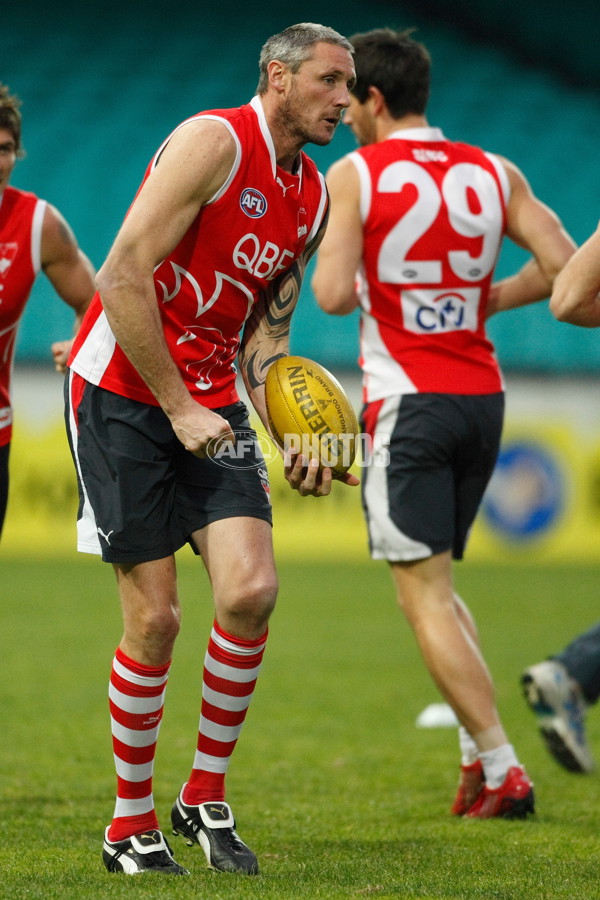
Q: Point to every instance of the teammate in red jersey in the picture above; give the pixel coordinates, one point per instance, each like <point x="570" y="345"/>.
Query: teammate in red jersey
<point x="421" y="220"/>
<point x="33" y="236"/>
<point x="206" y="268"/>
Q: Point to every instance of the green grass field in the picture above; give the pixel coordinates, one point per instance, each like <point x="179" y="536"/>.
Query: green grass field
<point x="338" y="792"/>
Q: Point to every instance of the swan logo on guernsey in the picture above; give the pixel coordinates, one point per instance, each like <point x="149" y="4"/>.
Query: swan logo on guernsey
<point x="253" y="203"/>
<point x="7" y="256"/>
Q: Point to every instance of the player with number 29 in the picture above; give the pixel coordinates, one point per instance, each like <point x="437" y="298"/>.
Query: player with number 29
<point x="417" y="223"/>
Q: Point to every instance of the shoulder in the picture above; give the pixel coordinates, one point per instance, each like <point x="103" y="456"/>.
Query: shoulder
<point x="507" y="174"/>
<point x="345" y="168"/>
<point x="198" y="130"/>
<point x="197" y="158"/>
<point x="220" y="122"/>
<point x="53" y="218"/>
<point x="350" y="194"/>
<point x="473" y="153"/>
<point x="517" y="183"/>
<point x="21" y="212"/>
<point x="13" y="195"/>
<point x="344" y="180"/>
<point x="58" y="238"/>
<point x="513" y="172"/>
<point x="213" y="131"/>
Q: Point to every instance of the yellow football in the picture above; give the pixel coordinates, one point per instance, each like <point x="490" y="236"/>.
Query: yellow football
<point x="309" y="411"/>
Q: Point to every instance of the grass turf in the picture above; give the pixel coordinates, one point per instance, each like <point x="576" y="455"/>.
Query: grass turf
<point x="332" y="785"/>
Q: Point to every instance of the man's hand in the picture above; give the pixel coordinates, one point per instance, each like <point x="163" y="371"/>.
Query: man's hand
<point x="308" y="478"/>
<point x="202" y="431"/>
<point x="60" y="353"/>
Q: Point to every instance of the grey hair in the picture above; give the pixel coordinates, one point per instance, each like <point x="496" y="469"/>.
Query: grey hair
<point x="293" y="46"/>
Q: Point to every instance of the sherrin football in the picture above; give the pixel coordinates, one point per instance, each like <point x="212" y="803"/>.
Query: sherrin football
<point x="309" y="411"/>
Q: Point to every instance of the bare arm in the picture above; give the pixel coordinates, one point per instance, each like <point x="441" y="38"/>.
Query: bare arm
<point x="576" y="294"/>
<point x="193" y="166"/>
<point x="267" y="331"/>
<point x="266" y="338"/>
<point x="532" y="225"/>
<point x="340" y="254"/>
<point x="528" y="285"/>
<point x="69" y="271"/>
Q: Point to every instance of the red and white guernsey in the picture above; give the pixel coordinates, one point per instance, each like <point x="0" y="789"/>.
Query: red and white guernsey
<point x="251" y="231"/>
<point x="21" y="220"/>
<point x="434" y="215"/>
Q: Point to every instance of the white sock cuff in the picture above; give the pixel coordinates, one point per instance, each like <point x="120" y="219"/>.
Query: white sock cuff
<point x="468" y="748"/>
<point x="496" y="764"/>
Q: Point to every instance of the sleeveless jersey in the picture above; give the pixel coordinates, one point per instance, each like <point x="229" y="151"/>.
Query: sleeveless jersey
<point x="434" y="215"/>
<point x="250" y="232"/>
<point x="21" y="220"/>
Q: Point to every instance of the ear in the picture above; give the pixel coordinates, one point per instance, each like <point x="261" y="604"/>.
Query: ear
<point x="378" y="104"/>
<point x="279" y="75"/>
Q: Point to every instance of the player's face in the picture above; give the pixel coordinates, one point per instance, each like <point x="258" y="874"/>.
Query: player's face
<point x="318" y="93"/>
<point x="359" y="119"/>
<point x="8" y="156"/>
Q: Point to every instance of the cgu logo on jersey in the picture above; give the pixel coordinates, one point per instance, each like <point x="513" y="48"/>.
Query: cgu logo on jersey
<point x="427" y="311"/>
<point x="7" y="257"/>
<point x="253" y="203"/>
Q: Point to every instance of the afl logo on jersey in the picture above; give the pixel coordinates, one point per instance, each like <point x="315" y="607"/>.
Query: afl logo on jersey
<point x="253" y="203"/>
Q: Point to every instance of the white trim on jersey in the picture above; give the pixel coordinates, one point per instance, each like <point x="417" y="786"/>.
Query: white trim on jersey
<point x="320" y="211"/>
<point x="236" y="164"/>
<point x="417" y="134"/>
<point x="502" y="175"/>
<point x="382" y="375"/>
<point x="256" y="104"/>
<point x="364" y="177"/>
<point x="362" y="288"/>
<point x="238" y="152"/>
<point x="37" y="223"/>
<point x="6" y="417"/>
<point x="87" y="530"/>
<point x="93" y="357"/>
<point x="386" y="539"/>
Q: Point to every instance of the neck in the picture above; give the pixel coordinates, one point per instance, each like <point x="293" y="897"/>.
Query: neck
<point x="387" y="125"/>
<point x="287" y="144"/>
<point x="287" y="159"/>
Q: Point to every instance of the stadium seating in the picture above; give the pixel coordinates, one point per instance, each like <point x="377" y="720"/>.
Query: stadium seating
<point x="103" y="84"/>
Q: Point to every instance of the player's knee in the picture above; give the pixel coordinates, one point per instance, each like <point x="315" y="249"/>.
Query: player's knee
<point x="160" y="625"/>
<point x="254" y="599"/>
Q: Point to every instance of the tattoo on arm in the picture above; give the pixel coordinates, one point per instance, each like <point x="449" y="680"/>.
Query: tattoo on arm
<point x="266" y="335"/>
<point x="266" y="332"/>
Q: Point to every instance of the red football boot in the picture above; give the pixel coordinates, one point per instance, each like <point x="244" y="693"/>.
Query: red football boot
<point x="469" y="785"/>
<point x="512" y="800"/>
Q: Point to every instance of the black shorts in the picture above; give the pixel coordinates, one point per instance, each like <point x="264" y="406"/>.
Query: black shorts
<point x="433" y="456"/>
<point x="4" y="454"/>
<point x="141" y="493"/>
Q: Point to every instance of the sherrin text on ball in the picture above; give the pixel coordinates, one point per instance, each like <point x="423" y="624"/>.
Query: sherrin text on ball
<point x="309" y="412"/>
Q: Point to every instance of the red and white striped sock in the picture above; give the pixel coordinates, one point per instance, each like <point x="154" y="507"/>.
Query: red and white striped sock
<point x="136" y="695"/>
<point x="231" y="667"/>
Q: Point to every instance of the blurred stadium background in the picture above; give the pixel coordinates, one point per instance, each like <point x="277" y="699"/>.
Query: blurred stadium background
<point x="102" y="83"/>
